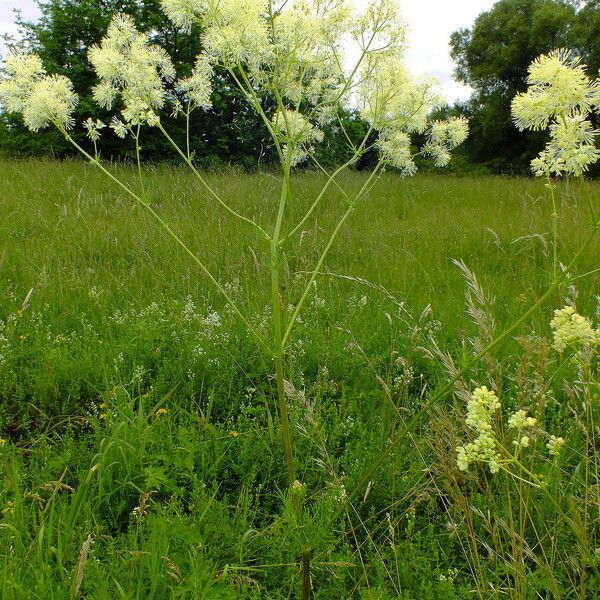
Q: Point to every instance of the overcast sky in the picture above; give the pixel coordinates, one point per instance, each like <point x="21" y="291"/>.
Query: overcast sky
<point x="430" y="24"/>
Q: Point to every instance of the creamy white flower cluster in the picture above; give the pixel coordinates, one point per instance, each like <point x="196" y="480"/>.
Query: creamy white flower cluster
<point x="484" y="448"/>
<point x="295" y="49"/>
<point x="291" y="51"/>
<point x="26" y="88"/>
<point x="233" y="30"/>
<point x="127" y="65"/>
<point x="297" y="132"/>
<point x="443" y="137"/>
<point x="198" y="87"/>
<point x="560" y="97"/>
<point x="398" y="106"/>
<point x="572" y="329"/>
<point x="480" y="411"/>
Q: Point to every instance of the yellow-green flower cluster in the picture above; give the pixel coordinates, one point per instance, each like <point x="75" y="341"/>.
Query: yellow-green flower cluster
<point x="560" y="96"/>
<point x="233" y="30"/>
<point x="93" y="128"/>
<point x="572" y="329"/>
<point x="520" y="421"/>
<point x="306" y="52"/>
<point x="183" y="13"/>
<point x="42" y="99"/>
<point x="396" y="105"/>
<point x="480" y="411"/>
<point x="128" y="65"/>
<point x="295" y="50"/>
<point x="555" y="445"/>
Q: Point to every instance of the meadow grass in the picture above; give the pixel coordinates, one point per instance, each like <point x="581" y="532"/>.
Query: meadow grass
<point x="142" y="456"/>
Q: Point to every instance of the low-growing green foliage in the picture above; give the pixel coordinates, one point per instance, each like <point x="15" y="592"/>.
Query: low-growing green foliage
<point x="140" y="452"/>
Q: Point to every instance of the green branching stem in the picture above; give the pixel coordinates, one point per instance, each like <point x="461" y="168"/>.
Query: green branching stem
<point x="259" y="338"/>
<point x="209" y="189"/>
<point x="331" y="179"/>
<point x="551" y="188"/>
<point x="276" y="304"/>
<point x="361" y="194"/>
<point x="139" y="164"/>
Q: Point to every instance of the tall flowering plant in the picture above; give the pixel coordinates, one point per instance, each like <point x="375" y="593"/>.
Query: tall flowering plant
<point x="294" y="53"/>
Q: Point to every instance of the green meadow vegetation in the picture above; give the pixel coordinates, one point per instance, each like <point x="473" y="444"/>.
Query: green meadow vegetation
<point x="140" y="452"/>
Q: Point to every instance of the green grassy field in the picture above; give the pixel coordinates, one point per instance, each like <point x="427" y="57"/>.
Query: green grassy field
<point x="141" y="455"/>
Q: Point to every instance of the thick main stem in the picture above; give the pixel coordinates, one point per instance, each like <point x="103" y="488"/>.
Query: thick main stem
<point x="278" y="342"/>
<point x="278" y="359"/>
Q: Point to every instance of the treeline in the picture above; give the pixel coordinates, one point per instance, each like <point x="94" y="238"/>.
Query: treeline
<point x="492" y="57"/>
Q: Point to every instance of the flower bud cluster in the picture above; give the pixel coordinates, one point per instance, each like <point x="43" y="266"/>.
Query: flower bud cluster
<point x="572" y="329"/>
<point x="555" y="445"/>
<point x="560" y="96"/>
<point x="480" y="411"/>
<point x="520" y="421"/>
<point x="93" y="128"/>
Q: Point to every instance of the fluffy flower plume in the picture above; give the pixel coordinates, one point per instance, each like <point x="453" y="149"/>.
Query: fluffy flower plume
<point x="197" y="87"/>
<point x="445" y="136"/>
<point x="396" y="105"/>
<point x="127" y="64"/>
<point x="480" y="412"/>
<point x="571" y="148"/>
<point x="183" y="13"/>
<point x="561" y="97"/>
<point x="21" y="73"/>
<point x="297" y="133"/>
<point x="295" y="50"/>
<point x="572" y="329"/>
<point x="234" y="30"/>
<point x="306" y="50"/>
<point x="41" y="98"/>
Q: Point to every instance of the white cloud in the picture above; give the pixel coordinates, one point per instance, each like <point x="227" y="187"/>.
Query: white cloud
<point x="431" y="22"/>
